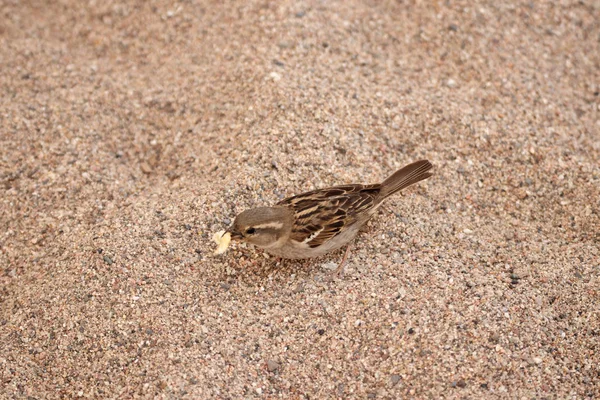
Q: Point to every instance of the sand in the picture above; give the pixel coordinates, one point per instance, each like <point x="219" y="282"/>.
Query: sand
<point x="130" y="132"/>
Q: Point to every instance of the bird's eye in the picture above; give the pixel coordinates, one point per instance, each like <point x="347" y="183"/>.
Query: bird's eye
<point x="250" y="231"/>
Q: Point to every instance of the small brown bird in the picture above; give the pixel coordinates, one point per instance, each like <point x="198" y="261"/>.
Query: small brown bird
<point x="317" y="222"/>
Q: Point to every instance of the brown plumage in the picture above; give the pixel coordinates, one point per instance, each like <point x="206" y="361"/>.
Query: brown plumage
<point x="316" y="222"/>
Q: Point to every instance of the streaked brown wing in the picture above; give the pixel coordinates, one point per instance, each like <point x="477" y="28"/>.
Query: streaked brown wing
<point x="321" y="214"/>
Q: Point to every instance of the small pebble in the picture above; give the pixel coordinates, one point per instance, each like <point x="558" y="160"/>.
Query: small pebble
<point x="272" y="365"/>
<point x="275" y="76"/>
<point x="146" y="168"/>
<point x="395" y="378"/>
<point x="299" y="288"/>
<point x="329" y="266"/>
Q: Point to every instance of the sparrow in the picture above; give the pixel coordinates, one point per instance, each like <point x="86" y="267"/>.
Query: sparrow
<point x="317" y="222"/>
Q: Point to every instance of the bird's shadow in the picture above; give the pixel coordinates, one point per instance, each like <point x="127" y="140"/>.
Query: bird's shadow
<point x="257" y="264"/>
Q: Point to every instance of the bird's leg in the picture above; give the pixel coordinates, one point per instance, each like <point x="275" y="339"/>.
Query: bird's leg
<point x="340" y="267"/>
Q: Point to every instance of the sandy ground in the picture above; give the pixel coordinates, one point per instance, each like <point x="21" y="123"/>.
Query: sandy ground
<point x="131" y="131"/>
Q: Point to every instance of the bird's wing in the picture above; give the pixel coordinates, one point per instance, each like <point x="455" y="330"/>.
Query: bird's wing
<point x="322" y="214"/>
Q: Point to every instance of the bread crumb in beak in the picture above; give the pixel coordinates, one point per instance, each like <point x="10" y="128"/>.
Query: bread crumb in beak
<point x="222" y="238"/>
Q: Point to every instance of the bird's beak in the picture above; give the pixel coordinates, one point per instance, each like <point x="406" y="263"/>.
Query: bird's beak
<point x="235" y="235"/>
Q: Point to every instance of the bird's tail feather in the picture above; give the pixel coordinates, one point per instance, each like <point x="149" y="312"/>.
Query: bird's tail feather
<point x="405" y="177"/>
